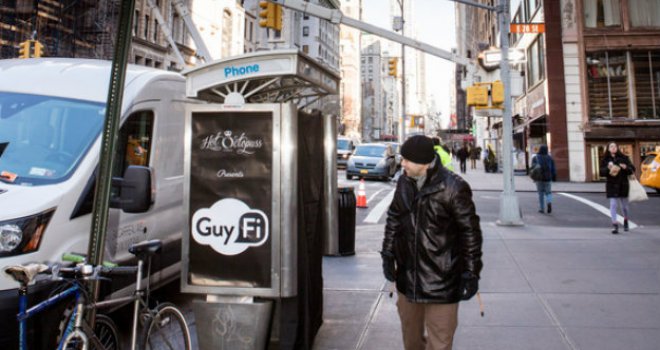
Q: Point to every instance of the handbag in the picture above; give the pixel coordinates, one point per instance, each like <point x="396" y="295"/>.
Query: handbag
<point x="636" y="192"/>
<point x="536" y="172"/>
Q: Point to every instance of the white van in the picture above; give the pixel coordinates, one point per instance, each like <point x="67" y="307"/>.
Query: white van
<point x="51" y="120"/>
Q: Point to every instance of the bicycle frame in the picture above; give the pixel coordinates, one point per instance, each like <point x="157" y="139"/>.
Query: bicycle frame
<point x="24" y="313"/>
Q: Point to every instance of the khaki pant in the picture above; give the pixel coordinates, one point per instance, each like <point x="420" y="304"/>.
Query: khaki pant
<point x="440" y="321"/>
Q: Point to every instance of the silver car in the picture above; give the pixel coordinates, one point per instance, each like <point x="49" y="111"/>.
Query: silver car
<point x="371" y="160"/>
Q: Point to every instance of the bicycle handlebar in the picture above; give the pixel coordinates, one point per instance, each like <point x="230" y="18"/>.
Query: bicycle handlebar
<point x="80" y="258"/>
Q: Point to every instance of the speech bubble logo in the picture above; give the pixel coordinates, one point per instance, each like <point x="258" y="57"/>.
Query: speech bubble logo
<point x="230" y="227"/>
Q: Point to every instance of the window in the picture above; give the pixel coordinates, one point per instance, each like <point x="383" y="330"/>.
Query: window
<point x="603" y="13"/>
<point x="305" y="48"/>
<point x="146" y="27"/>
<point x="644" y="13"/>
<point x="136" y="21"/>
<point x="156" y="31"/>
<point x="531" y="6"/>
<point x="305" y="31"/>
<point x="535" y="62"/>
<point x="647" y="83"/>
<point x="607" y="78"/>
<point x="134" y="142"/>
<point x="305" y="16"/>
<point x="176" y="28"/>
<point x="226" y="33"/>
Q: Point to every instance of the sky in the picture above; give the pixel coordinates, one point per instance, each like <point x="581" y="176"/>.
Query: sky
<point x="435" y="24"/>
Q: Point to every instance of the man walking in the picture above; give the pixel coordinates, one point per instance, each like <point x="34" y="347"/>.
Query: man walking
<point x="431" y="248"/>
<point x="463" y="155"/>
<point x="545" y="174"/>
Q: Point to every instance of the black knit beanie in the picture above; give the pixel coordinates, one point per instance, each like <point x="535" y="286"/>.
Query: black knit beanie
<point x="418" y="149"/>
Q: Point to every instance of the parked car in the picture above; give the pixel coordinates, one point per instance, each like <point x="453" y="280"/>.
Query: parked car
<point x="651" y="171"/>
<point x="372" y="160"/>
<point x="52" y="113"/>
<point x="345" y="147"/>
<point x="396" y="148"/>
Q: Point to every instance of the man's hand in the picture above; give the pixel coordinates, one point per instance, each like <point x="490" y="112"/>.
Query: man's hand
<point x="388" y="266"/>
<point x="469" y="285"/>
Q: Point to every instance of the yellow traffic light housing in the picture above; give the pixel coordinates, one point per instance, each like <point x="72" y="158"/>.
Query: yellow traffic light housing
<point x="24" y="49"/>
<point x="38" y="49"/>
<point x="271" y="14"/>
<point x="392" y="67"/>
<point x="477" y="95"/>
<point x="497" y="93"/>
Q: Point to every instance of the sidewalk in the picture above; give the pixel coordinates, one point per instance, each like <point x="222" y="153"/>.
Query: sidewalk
<point x="479" y="180"/>
<point x="543" y="288"/>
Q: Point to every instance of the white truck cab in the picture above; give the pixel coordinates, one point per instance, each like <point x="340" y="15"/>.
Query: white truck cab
<point x="51" y="119"/>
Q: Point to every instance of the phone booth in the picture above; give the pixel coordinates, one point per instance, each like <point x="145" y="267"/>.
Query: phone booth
<point x="255" y="197"/>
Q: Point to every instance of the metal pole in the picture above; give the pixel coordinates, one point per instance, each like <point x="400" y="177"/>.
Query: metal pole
<point x="111" y="125"/>
<point x="509" y="209"/>
<point x="331" y="236"/>
<point x="402" y="124"/>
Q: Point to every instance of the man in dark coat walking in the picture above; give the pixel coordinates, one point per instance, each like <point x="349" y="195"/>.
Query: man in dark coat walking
<point x="548" y="173"/>
<point x="431" y="248"/>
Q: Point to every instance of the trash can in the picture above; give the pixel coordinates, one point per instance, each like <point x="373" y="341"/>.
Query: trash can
<point x="346" y="221"/>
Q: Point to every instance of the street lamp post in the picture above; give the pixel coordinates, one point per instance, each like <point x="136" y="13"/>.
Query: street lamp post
<point x="509" y="209"/>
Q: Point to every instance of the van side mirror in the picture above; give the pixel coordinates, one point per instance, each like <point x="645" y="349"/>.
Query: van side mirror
<point x="134" y="190"/>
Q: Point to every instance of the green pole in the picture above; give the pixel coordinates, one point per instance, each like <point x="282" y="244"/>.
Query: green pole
<point x="110" y="128"/>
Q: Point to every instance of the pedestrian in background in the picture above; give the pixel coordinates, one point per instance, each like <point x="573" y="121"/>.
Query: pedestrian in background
<point x="617" y="166"/>
<point x="463" y="155"/>
<point x="548" y="173"/>
<point x="442" y="152"/>
<point x="475" y="153"/>
<point x="431" y="248"/>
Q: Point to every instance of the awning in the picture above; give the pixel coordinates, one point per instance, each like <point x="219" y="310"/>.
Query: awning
<point x="260" y="77"/>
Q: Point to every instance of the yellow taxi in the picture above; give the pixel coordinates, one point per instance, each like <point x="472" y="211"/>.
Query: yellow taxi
<point x="651" y="171"/>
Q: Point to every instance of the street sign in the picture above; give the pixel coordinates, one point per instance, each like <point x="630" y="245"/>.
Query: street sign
<point x="527" y="28"/>
<point x="493" y="57"/>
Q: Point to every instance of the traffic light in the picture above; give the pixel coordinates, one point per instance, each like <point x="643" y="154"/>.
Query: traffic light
<point x="38" y="49"/>
<point x="477" y="95"/>
<point x="497" y="92"/>
<point x="392" y="67"/>
<point x="24" y="49"/>
<point x="271" y="14"/>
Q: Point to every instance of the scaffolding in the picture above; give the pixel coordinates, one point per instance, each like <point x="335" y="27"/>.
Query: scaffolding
<point x="66" y="28"/>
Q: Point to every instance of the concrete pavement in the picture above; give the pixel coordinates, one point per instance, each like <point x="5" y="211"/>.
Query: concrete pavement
<point x="543" y="288"/>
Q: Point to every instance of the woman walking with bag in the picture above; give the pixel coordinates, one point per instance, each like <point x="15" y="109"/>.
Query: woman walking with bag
<point x="617" y="167"/>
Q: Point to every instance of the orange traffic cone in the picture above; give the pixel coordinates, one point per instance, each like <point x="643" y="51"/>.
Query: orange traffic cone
<point x="361" y="196"/>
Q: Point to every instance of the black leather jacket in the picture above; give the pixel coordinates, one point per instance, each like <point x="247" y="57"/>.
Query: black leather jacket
<point x="434" y="235"/>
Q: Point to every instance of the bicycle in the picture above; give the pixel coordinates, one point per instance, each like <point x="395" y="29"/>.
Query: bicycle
<point x="76" y="332"/>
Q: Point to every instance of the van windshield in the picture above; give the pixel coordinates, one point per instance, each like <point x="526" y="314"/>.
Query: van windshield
<point x="45" y="137"/>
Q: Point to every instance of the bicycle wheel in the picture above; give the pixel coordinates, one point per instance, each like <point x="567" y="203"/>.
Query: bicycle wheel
<point x="105" y="330"/>
<point x="166" y="330"/>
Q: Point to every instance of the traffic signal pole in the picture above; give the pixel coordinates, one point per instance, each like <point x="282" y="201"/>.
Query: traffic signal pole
<point x="510" y="214"/>
<point x="402" y="122"/>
